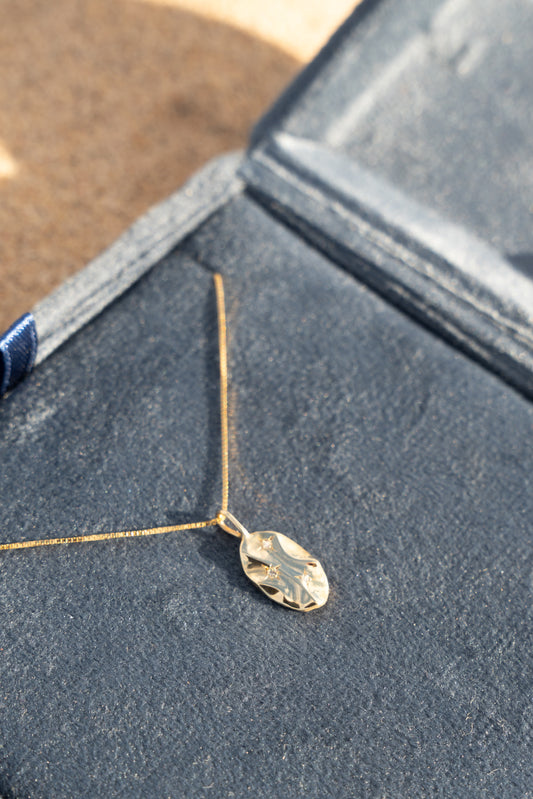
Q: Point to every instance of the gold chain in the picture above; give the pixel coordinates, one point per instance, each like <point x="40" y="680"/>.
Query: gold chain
<point x="223" y="368"/>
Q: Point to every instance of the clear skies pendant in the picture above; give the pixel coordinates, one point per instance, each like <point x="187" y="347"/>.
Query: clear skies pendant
<point x="280" y="567"/>
<point x="277" y="565"/>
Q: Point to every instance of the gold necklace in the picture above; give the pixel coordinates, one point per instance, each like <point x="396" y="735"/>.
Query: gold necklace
<point x="280" y="567"/>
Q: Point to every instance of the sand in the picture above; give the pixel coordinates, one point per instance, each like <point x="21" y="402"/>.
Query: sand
<point x="107" y="106"/>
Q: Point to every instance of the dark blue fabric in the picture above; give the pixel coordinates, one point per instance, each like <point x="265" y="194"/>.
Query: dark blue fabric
<point x="18" y="348"/>
<point x="152" y="668"/>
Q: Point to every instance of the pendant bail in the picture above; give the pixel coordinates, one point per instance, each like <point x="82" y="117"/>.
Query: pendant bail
<point x="238" y="529"/>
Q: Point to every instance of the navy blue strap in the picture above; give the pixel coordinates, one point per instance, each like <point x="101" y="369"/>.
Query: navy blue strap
<point x="18" y="348"/>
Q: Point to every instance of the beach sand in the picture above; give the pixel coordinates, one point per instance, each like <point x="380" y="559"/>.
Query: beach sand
<point x="108" y="106"/>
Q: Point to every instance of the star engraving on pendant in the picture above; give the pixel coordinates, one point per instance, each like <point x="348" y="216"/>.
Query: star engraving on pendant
<point x="307" y="576"/>
<point x="272" y="572"/>
<point x="266" y="543"/>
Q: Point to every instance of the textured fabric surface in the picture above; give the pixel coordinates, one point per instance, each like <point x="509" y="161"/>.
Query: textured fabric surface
<point x="404" y="153"/>
<point x="153" y="667"/>
<point x="433" y="96"/>
<point x="437" y="272"/>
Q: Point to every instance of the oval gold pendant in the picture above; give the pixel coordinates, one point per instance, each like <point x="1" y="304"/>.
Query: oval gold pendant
<point x="283" y="570"/>
<point x="280" y="567"/>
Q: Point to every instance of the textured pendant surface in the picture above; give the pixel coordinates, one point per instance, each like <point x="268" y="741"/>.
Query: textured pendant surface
<point x="283" y="570"/>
